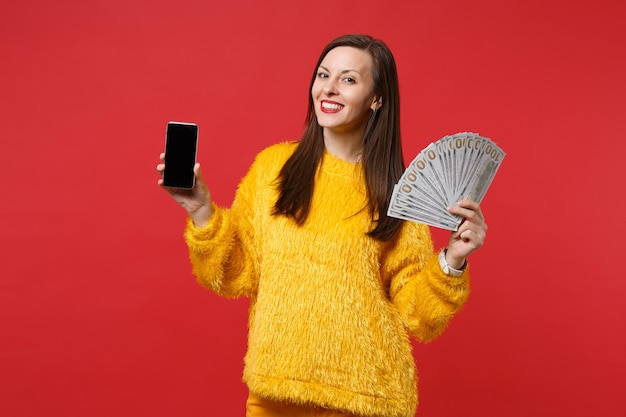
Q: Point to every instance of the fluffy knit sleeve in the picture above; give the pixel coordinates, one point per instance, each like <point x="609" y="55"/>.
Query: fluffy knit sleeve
<point x="222" y="254"/>
<point x="424" y="295"/>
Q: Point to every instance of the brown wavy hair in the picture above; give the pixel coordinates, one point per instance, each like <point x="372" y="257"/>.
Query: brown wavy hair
<point x="382" y="158"/>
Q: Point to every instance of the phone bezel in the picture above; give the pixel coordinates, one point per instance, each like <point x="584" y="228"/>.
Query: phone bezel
<point x="168" y="182"/>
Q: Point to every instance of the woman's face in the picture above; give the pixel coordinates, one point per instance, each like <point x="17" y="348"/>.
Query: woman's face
<point x="343" y="90"/>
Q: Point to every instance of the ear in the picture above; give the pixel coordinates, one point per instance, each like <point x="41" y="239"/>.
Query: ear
<point x="378" y="101"/>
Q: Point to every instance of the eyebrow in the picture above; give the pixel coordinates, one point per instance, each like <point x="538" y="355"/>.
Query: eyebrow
<point x="342" y="72"/>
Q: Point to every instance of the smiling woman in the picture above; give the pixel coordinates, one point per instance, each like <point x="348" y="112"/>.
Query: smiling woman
<point x="378" y="148"/>
<point x="98" y="313"/>
<point x="344" y="98"/>
<point x="336" y="286"/>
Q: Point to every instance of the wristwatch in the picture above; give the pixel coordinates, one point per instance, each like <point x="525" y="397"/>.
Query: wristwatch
<point x="447" y="269"/>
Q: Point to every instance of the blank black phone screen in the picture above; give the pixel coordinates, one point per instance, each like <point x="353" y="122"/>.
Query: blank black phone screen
<point x="180" y="155"/>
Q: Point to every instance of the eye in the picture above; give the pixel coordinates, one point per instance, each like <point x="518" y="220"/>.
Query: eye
<point x="349" y="80"/>
<point x="322" y="75"/>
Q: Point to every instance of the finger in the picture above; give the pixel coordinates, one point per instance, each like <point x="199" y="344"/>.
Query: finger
<point x="478" y="228"/>
<point x="160" y="168"/>
<point x="468" y="210"/>
<point x="466" y="202"/>
<point x="162" y="156"/>
<point x="198" y="173"/>
<point x="477" y="224"/>
<point x="471" y="205"/>
<point x="476" y="239"/>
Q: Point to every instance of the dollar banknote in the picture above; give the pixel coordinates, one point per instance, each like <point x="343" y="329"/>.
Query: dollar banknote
<point x="455" y="167"/>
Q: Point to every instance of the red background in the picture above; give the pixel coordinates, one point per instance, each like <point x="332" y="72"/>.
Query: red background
<point x="99" y="313"/>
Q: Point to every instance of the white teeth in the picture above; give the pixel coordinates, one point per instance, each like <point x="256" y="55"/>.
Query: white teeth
<point x="331" y="106"/>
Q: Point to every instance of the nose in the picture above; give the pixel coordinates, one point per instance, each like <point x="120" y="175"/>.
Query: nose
<point x="330" y="87"/>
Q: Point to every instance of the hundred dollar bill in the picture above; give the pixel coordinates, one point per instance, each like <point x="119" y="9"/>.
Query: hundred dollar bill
<point x="427" y="174"/>
<point x="421" y="202"/>
<point x="456" y="166"/>
<point x="405" y="210"/>
<point x="482" y="173"/>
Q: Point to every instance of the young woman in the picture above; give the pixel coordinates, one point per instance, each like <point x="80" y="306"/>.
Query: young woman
<point x="336" y="286"/>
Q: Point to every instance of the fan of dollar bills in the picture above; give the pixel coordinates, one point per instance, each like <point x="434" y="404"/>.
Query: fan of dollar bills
<point x="446" y="171"/>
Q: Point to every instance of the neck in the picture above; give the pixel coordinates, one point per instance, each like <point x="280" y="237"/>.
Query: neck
<point x="348" y="147"/>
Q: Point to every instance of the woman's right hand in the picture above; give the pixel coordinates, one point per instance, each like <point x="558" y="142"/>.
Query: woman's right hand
<point x="196" y="201"/>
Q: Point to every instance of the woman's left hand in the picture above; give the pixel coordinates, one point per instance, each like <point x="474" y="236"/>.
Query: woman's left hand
<point x="470" y="235"/>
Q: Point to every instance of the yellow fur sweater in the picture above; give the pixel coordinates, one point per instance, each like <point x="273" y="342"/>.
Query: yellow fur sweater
<point x="331" y="308"/>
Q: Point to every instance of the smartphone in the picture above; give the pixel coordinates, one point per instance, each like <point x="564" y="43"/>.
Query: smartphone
<point x="181" y="146"/>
